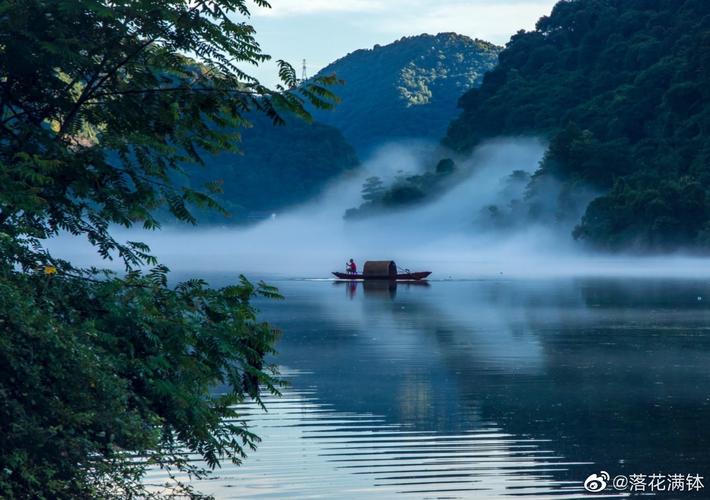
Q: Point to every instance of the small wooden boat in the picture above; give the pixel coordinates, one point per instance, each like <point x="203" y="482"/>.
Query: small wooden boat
<point x="383" y="270"/>
<point x="398" y="277"/>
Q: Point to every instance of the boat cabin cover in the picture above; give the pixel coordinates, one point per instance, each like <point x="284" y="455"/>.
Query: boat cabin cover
<point x="380" y="269"/>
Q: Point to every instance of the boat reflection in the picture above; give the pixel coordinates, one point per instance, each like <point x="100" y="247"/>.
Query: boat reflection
<point x="377" y="288"/>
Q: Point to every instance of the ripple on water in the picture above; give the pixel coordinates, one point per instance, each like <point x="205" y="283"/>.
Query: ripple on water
<point x="309" y="450"/>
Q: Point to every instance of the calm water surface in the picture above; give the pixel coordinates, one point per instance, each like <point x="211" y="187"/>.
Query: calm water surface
<point x="480" y="389"/>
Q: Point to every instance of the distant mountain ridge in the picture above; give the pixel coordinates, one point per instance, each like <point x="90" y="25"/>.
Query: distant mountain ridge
<point x="407" y="89"/>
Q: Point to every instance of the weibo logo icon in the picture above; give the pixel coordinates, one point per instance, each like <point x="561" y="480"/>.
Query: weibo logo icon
<point x="596" y="482"/>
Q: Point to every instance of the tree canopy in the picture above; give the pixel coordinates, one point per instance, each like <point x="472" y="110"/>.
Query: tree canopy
<point x="101" y="376"/>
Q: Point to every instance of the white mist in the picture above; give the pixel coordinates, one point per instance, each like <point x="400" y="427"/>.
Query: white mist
<point x="440" y="236"/>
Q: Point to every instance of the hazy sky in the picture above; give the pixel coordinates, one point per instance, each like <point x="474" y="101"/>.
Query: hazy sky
<point x="324" y="30"/>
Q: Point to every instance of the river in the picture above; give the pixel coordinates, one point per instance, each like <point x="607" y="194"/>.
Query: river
<point x="480" y="389"/>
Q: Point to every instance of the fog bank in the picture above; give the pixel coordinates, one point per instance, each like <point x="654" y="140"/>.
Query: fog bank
<point x="440" y="236"/>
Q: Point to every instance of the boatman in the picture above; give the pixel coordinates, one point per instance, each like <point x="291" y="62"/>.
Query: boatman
<point x="351" y="267"/>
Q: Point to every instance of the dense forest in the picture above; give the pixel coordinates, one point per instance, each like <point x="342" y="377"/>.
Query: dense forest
<point x="406" y="89"/>
<point x="620" y="88"/>
<point x="278" y="166"/>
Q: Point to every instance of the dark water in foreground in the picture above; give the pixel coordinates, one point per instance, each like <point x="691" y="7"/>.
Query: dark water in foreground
<point x="481" y="389"/>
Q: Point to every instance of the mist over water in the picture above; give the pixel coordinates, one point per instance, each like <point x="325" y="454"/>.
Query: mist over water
<point x="444" y="235"/>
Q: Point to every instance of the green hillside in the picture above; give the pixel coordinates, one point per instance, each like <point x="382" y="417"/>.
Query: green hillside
<point x="279" y="166"/>
<point x="407" y="89"/>
<point x="621" y="88"/>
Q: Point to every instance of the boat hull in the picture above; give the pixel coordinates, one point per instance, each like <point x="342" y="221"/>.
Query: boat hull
<point x="399" y="277"/>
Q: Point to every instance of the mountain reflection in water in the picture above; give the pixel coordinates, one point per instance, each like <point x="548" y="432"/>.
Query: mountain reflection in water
<point x="479" y="389"/>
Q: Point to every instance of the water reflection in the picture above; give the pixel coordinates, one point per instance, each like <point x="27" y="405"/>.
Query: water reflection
<point x="376" y="288"/>
<point x="481" y="389"/>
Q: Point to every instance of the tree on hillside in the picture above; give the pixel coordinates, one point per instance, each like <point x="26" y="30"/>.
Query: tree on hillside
<point x="373" y="189"/>
<point x="100" y="104"/>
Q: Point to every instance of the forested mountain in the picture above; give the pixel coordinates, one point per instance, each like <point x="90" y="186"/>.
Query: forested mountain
<point x="407" y="89"/>
<point x="621" y="87"/>
<point x="278" y="166"/>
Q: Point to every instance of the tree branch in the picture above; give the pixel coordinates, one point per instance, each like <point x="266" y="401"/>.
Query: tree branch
<point x="172" y="89"/>
<point x="95" y="85"/>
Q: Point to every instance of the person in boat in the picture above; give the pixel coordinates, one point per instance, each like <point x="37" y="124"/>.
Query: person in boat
<point x="351" y="267"/>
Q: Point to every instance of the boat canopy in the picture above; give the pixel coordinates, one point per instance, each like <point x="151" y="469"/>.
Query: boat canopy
<point x="381" y="269"/>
